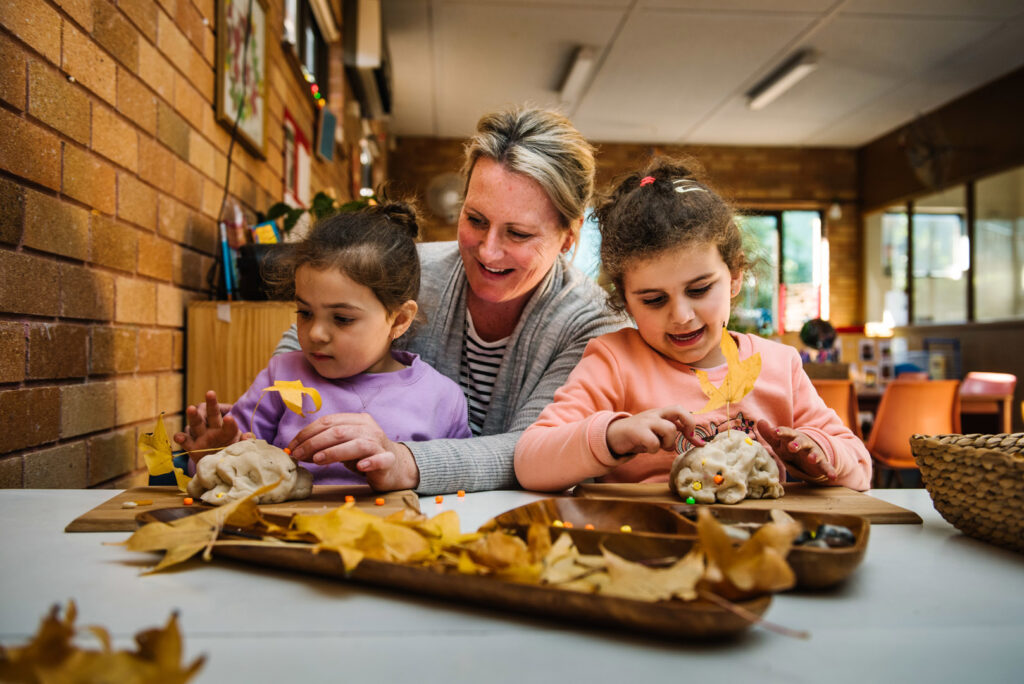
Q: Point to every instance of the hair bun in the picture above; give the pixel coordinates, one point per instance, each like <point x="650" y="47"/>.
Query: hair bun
<point x="402" y="215"/>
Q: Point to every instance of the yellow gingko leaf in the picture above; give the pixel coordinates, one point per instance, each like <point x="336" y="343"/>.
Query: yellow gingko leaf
<point x="291" y="392"/>
<point x="739" y="378"/>
<point x="158" y="453"/>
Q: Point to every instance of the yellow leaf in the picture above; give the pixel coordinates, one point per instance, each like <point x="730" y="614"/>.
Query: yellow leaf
<point x="635" y="581"/>
<point x="291" y="392"/>
<point x="758" y="566"/>
<point x="738" y="381"/>
<point x="158" y="453"/>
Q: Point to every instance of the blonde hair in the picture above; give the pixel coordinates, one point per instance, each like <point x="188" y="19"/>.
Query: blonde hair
<point x="544" y="146"/>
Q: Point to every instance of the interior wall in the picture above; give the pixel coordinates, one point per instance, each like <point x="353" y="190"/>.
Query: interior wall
<point x="112" y="169"/>
<point x="750" y="177"/>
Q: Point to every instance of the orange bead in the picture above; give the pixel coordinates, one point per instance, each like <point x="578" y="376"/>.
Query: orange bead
<point x="379" y="501"/>
<point x="187" y="501"/>
<point x="568" y="524"/>
<point x="438" y="499"/>
<point x="588" y="526"/>
<point x="461" y="493"/>
<point x="288" y="451"/>
<point x="349" y="498"/>
<point x="718" y="479"/>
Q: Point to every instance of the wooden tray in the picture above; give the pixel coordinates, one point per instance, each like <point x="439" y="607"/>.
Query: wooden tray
<point x="800" y="497"/>
<point x="691" y="619"/>
<point x="109" y="516"/>
<point x="815" y="568"/>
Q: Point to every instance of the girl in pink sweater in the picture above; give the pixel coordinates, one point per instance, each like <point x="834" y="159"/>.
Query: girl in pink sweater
<point x="673" y="254"/>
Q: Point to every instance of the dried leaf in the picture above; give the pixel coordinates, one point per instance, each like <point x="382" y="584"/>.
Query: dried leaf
<point x="636" y="581"/>
<point x="356" y="534"/>
<point x="52" y="657"/>
<point x="291" y="392"/>
<point x="758" y="566"/>
<point x="158" y="453"/>
<point x="738" y="381"/>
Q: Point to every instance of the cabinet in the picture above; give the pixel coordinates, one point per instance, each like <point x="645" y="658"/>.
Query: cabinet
<point x="228" y="343"/>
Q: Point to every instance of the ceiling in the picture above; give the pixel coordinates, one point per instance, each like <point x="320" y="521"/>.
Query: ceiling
<point x="676" y="71"/>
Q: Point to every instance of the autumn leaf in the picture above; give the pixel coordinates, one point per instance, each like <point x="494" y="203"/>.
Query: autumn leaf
<point x="738" y="381"/>
<point x="757" y="566"/>
<point x="52" y="656"/>
<point x="159" y="454"/>
<point x="291" y="392"/>
<point x="637" y="581"/>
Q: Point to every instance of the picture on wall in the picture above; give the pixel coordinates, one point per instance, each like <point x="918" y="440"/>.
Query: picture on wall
<point x="242" y="70"/>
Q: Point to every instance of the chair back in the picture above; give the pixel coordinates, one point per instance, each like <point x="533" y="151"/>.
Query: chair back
<point x="908" y="407"/>
<point x="841" y="397"/>
<point x="913" y="375"/>
<point x="979" y="382"/>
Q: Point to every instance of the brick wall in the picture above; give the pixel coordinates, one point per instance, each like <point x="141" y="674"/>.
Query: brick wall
<point x="751" y="177"/>
<point x="112" y="167"/>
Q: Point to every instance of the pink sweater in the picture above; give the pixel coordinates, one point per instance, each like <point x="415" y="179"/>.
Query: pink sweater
<point x="620" y="375"/>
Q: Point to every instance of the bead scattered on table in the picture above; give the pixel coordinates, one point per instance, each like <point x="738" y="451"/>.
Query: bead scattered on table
<point x="690" y="500"/>
<point x="626" y="528"/>
<point x="558" y="523"/>
<point x="187" y="501"/>
<point x="349" y="498"/>
<point x="379" y="501"/>
<point x="461" y="493"/>
<point x="588" y="526"/>
<point x="438" y="499"/>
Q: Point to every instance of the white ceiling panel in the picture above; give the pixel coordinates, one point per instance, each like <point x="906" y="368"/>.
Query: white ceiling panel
<point x="411" y="47"/>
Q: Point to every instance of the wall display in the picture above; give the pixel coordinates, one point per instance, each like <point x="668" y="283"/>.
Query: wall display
<point x="325" y="134"/>
<point x="296" y="163"/>
<point x="242" y="70"/>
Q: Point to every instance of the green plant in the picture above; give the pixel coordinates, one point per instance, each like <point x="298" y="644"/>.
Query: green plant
<point x="322" y="206"/>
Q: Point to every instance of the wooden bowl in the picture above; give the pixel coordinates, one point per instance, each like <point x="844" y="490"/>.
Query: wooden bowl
<point x="606" y="515"/>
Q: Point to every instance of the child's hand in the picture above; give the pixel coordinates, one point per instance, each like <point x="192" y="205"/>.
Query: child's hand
<point x="651" y="431"/>
<point x="207" y="429"/>
<point x="801" y="454"/>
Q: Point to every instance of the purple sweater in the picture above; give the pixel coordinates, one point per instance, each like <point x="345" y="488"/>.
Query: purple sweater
<point x="413" y="404"/>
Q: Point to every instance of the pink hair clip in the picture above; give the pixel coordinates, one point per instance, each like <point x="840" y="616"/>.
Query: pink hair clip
<point x="646" y="180"/>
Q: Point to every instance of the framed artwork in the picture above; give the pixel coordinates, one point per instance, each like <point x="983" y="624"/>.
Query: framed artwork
<point x="296" y="163"/>
<point x="242" y="71"/>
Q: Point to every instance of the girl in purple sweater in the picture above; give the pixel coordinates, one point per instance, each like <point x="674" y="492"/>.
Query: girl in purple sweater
<point x="354" y="279"/>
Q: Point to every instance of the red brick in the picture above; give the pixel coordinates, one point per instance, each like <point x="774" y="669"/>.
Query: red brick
<point x="136" y="399"/>
<point x="86" y="293"/>
<point x="11" y="473"/>
<point x="29" y="284"/>
<point x="79" y="10"/>
<point x="156" y="164"/>
<point x="114" y="244"/>
<point x="89" y="64"/>
<point x="57" y="351"/>
<point x="28" y="417"/>
<point x="29" y="151"/>
<point x="36" y="23"/>
<point x="12" y="73"/>
<point x="12" y="212"/>
<point x="136" y="101"/>
<point x="143" y="14"/>
<point x="116" y="34"/>
<point x="60" y="467"/>
<point x="155" y="257"/>
<point x="57" y="102"/>
<point x="170" y="306"/>
<point x="113" y="350"/>
<point x="136" y="201"/>
<point x="53" y="225"/>
<point x="172" y="130"/>
<point x="86" y="408"/>
<point x="12" y="352"/>
<point x="115" y="138"/>
<point x="156" y="350"/>
<point x="135" y="301"/>
<point x="188" y="184"/>
<point x="172" y="219"/>
<point x="89" y="179"/>
<point x="169" y="392"/>
<point x="111" y="455"/>
<point x="156" y="71"/>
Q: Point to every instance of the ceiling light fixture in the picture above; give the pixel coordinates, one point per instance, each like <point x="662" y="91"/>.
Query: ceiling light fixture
<point x="782" y="79"/>
<point x="583" y="61"/>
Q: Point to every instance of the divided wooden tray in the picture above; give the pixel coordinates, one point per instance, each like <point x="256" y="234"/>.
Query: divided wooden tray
<point x="800" y="497"/>
<point x="692" y="619"/>
<point x="670" y="525"/>
<point x="110" y="516"/>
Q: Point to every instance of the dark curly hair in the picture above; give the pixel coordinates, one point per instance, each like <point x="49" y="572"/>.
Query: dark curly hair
<point x="674" y="210"/>
<point x="375" y="246"/>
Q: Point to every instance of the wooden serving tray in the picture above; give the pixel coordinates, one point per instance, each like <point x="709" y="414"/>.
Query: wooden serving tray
<point x="815" y="568"/>
<point x="110" y="516"/>
<point x="690" y="619"/>
<point x="800" y="497"/>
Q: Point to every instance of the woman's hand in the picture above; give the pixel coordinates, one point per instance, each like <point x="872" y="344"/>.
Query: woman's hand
<point x="802" y="456"/>
<point x="356" y="440"/>
<point x="651" y="431"/>
<point x="207" y="428"/>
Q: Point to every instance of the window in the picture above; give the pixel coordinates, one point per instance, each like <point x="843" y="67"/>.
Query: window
<point x="304" y="41"/>
<point x="999" y="245"/>
<point x="941" y="258"/>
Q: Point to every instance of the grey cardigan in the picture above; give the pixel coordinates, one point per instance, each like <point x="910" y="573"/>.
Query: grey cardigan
<point x="565" y="312"/>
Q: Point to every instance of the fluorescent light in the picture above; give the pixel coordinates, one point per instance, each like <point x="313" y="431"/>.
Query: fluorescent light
<point x="579" y="73"/>
<point x="782" y="79"/>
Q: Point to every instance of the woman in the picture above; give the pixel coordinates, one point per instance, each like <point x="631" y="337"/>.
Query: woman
<point x="506" y="316"/>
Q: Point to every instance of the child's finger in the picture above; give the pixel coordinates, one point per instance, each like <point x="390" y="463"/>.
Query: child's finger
<point x="213" y="417"/>
<point x="196" y="424"/>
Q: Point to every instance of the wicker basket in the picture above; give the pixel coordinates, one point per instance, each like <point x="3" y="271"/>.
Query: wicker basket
<point x="976" y="483"/>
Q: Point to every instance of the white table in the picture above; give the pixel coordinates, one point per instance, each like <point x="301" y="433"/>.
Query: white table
<point x="927" y="605"/>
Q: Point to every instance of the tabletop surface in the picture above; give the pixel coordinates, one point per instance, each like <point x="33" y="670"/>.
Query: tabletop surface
<point x="927" y="604"/>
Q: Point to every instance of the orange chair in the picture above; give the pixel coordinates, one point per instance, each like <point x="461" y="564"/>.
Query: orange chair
<point x="908" y="407"/>
<point x="989" y="393"/>
<point x="841" y="397"/>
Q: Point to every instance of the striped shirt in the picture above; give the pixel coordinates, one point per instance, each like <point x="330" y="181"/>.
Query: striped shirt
<point x="480" y="364"/>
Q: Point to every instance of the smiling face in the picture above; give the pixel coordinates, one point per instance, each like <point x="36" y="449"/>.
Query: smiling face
<point x="680" y="301"/>
<point x="509" y="234"/>
<point x="343" y="328"/>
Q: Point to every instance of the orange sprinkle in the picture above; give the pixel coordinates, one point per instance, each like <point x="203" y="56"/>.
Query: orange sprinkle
<point x="379" y="501"/>
<point x="288" y="451"/>
<point x="718" y="479"/>
<point x="568" y="524"/>
<point x="187" y="501"/>
<point x="438" y="499"/>
<point x="349" y="498"/>
<point x="588" y="526"/>
<point x="461" y="493"/>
